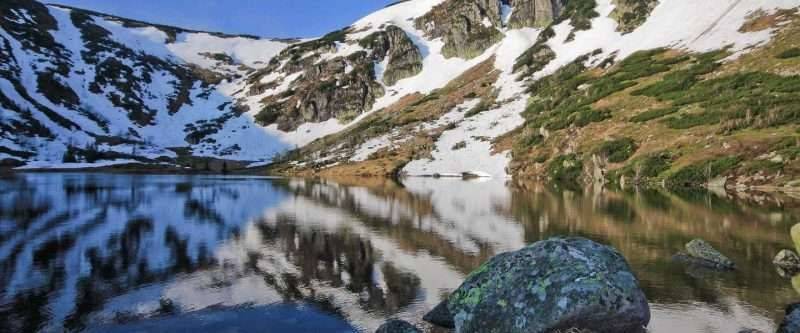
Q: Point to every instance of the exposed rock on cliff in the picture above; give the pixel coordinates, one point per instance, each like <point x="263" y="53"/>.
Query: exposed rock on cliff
<point x="403" y="58"/>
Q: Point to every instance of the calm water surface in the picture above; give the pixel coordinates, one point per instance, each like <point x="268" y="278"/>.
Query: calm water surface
<point x="120" y="253"/>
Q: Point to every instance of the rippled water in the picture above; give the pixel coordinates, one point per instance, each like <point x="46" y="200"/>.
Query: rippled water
<point x="125" y="253"/>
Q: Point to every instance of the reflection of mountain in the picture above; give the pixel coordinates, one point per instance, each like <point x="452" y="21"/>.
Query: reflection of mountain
<point x="70" y="242"/>
<point x="92" y="249"/>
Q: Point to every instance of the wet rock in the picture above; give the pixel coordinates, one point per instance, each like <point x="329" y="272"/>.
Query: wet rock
<point x="556" y="284"/>
<point x="788" y="261"/>
<point x="791" y="323"/>
<point x="700" y="249"/>
<point x="397" y="326"/>
<point x="440" y="316"/>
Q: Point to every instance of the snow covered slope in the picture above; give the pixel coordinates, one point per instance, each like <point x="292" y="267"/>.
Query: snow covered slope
<point x="430" y="124"/>
<point x="422" y="87"/>
<point x="79" y="86"/>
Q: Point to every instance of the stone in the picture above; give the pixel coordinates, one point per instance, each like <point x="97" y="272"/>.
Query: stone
<point x="791" y="322"/>
<point x="700" y="249"/>
<point x="556" y="284"/>
<point x="440" y="316"/>
<point x="404" y="59"/>
<point x="795" y="233"/>
<point x="467" y="27"/>
<point x="788" y="261"/>
<point x="397" y="326"/>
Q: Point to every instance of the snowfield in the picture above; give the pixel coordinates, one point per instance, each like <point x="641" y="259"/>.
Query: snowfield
<point x="704" y="26"/>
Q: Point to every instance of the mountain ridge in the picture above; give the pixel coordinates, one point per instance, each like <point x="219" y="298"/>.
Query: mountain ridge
<point x="420" y="88"/>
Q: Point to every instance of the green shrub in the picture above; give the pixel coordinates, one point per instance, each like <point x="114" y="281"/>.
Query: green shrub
<point x="617" y="151"/>
<point x="653" y="114"/>
<point x="566" y="169"/>
<point x="790" y="53"/>
<point x="700" y="173"/>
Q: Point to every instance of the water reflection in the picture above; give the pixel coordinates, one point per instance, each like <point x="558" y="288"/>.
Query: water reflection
<point x="117" y="252"/>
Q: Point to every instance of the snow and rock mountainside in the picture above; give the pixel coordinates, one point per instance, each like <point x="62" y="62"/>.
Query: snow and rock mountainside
<point x="674" y="92"/>
<point x="670" y="92"/>
<point x="83" y="87"/>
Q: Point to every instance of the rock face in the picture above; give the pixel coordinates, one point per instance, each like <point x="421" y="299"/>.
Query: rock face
<point x="791" y="323"/>
<point x="788" y="261"/>
<point x="397" y="326"/>
<point x="700" y="249"/>
<point x="630" y="14"/>
<point x="468" y="27"/>
<point x="404" y="58"/>
<point x="533" y="13"/>
<point x="557" y="284"/>
<point x="341" y="88"/>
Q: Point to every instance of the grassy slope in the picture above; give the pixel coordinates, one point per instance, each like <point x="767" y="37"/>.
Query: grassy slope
<point x="747" y="108"/>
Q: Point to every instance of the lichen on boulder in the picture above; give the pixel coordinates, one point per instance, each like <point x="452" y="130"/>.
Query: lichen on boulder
<point x="556" y="284"/>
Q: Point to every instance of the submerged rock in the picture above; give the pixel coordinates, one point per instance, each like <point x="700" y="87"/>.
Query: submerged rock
<point x="440" y="316"/>
<point x="791" y="323"/>
<point x="556" y="284"/>
<point x="700" y="249"/>
<point x="397" y="326"/>
<point x="788" y="262"/>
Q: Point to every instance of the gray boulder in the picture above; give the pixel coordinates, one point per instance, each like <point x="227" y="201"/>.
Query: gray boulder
<point x="787" y="261"/>
<point x="791" y="323"/>
<point x="397" y="326"/>
<point x="556" y="284"/>
<point x="700" y="249"/>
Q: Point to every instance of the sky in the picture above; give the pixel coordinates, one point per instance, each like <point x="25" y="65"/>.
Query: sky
<point x="265" y="18"/>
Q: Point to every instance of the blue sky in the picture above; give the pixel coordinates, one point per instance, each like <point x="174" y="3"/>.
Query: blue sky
<point x="267" y="18"/>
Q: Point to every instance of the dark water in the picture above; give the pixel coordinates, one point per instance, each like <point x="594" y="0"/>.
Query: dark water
<point x="118" y="253"/>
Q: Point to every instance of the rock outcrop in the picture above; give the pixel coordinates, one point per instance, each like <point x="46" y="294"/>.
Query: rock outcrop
<point x="468" y="27"/>
<point x="340" y="88"/>
<point x="699" y="252"/>
<point x="788" y="262"/>
<point x="556" y="284"/>
<point x="397" y="326"/>
<point x="404" y="59"/>
<point x="533" y="13"/>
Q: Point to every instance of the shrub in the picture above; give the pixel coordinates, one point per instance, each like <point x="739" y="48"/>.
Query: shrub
<point x="617" y="151"/>
<point x="700" y="173"/>
<point x="790" y="53"/>
<point x="566" y="169"/>
<point x="653" y="114"/>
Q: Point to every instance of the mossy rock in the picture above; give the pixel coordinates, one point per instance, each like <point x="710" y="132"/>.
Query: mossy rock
<point x="556" y="284"/>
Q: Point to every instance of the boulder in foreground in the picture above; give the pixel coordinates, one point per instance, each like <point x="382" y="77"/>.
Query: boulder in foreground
<point x="397" y="326"/>
<point x="556" y="284"/>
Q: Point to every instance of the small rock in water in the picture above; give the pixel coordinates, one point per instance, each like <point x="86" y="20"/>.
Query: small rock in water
<point x="791" y="323"/>
<point x="397" y="326"/>
<point x="558" y="284"/>
<point x="440" y="316"/>
<point x="700" y="249"/>
<point x="788" y="262"/>
<point x="795" y="232"/>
